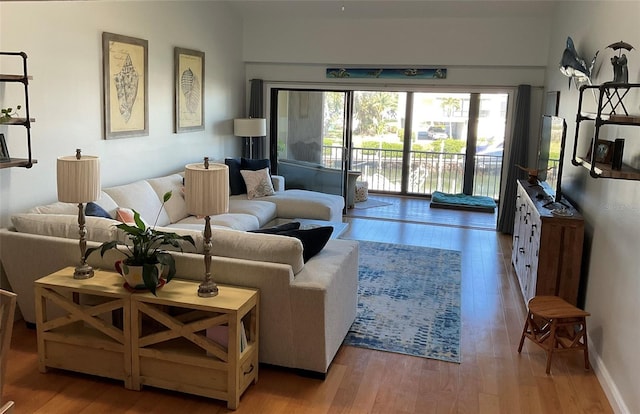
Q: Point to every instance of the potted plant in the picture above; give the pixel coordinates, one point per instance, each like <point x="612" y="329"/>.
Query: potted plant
<point x="145" y="261"/>
<point x="7" y="113"/>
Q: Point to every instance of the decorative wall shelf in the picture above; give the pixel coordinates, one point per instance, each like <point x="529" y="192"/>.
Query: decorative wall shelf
<point x="26" y="121"/>
<point x="610" y="111"/>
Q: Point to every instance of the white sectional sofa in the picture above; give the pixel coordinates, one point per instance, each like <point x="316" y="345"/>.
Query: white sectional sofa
<point x="306" y="309"/>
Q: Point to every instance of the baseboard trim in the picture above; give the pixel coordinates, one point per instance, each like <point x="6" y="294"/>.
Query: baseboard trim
<point x="611" y="391"/>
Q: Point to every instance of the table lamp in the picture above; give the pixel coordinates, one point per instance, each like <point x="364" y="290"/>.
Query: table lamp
<point x="250" y="128"/>
<point x="207" y="194"/>
<point x="79" y="182"/>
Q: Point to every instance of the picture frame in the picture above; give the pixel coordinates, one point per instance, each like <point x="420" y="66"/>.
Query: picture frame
<point x="552" y="103"/>
<point x="604" y="151"/>
<point x="4" y="150"/>
<point x="189" y="90"/>
<point x="125" y="74"/>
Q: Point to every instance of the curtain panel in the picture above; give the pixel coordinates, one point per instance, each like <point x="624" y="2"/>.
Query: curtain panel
<point x="517" y="155"/>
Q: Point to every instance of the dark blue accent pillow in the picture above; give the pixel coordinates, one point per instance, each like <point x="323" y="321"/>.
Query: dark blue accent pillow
<point x="255" y="165"/>
<point x="236" y="182"/>
<point x="313" y="240"/>
<point x="92" y="209"/>
<point x="278" y="229"/>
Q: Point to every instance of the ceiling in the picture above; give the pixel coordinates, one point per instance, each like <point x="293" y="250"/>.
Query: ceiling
<point x="373" y="9"/>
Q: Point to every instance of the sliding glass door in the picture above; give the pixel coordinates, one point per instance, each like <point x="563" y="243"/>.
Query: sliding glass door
<point x="308" y="146"/>
<point x="400" y="142"/>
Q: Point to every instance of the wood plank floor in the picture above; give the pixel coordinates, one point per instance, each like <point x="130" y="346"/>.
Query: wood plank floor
<point x="492" y="378"/>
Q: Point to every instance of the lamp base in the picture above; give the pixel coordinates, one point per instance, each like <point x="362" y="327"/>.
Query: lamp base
<point x="207" y="289"/>
<point x="84" y="271"/>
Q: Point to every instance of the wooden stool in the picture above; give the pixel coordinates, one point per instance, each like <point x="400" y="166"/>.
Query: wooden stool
<point x="555" y="325"/>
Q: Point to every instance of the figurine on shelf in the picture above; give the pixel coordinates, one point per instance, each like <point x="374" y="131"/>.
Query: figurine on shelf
<point x="620" y="70"/>
<point x="532" y="173"/>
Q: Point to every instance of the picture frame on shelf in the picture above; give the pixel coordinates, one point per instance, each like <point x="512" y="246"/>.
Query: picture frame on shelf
<point x="604" y="151"/>
<point x="189" y="90"/>
<point x="125" y="74"/>
<point x="4" y="150"/>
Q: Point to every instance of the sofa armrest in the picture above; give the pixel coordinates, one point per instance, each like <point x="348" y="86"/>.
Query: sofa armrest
<point x="278" y="183"/>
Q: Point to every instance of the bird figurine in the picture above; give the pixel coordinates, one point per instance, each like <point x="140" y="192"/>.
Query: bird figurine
<point x="532" y="173"/>
<point x="574" y="66"/>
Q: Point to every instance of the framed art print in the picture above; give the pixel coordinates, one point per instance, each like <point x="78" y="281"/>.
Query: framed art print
<point x="126" y="86"/>
<point x="189" y="90"/>
<point x="604" y="151"/>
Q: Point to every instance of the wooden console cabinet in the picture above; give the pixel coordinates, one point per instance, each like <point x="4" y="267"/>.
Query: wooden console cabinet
<point x="547" y="249"/>
<point x="98" y="327"/>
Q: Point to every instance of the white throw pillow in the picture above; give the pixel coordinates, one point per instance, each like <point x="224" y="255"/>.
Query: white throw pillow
<point x="258" y="183"/>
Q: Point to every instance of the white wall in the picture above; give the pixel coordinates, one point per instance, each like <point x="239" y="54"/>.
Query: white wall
<point x="480" y="51"/>
<point x="63" y="42"/>
<point x="611" y="207"/>
<point x="506" y="52"/>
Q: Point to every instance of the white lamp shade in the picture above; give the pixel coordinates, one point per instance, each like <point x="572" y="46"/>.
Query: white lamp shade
<point x="250" y="127"/>
<point x="206" y="190"/>
<point x="78" y="179"/>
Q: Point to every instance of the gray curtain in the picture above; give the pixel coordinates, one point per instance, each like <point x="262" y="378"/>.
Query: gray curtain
<point x="517" y="155"/>
<point x="256" y="110"/>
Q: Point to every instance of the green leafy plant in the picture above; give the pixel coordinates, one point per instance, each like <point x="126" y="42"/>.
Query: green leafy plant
<point x="7" y="113"/>
<point x="145" y="248"/>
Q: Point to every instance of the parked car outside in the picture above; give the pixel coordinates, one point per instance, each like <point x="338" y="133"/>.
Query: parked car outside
<point x="432" y="133"/>
<point x="436" y="133"/>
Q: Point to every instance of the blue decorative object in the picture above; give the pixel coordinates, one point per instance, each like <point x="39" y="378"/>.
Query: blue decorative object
<point x="408" y="301"/>
<point x="462" y="202"/>
<point x="401" y="73"/>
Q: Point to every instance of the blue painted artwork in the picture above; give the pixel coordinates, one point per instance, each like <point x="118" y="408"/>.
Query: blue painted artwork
<point x="418" y="73"/>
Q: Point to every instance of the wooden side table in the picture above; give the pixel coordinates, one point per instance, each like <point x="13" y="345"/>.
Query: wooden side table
<point x="171" y="350"/>
<point x="556" y="326"/>
<point x="84" y="338"/>
<point x="142" y="339"/>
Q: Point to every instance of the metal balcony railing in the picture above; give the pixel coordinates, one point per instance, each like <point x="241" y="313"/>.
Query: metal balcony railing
<point x="429" y="171"/>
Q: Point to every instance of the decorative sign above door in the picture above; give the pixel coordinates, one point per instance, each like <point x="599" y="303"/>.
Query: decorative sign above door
<point x="388" y="73"/>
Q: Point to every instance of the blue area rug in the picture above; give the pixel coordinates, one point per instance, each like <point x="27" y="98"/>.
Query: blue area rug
<point x="408" y="301"/>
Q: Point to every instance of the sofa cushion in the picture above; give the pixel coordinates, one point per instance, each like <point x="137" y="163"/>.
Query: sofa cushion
<point x="55" y="208"/>
<point x="258" y="183"/>
<point x="294" y="225"/>
<point x="264" y="211"/>
<point x="241" y="222"/>
<point x="308" y="204"/>
<point x="127" y="216"/>
<point x="271" y="248"/>
<point x="255" y="165"/>
<point x="93" y="209"/>
<point x="106" y="202"/>
<point x="99" y="229"/>
<point x="313" y="240"/>
<point x="236" y="183"/>
<point x="141" y="197"/>
<point x="176" y="206"/>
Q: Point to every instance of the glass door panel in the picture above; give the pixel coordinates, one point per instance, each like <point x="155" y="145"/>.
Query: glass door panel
<point x="438" y="141"/>
<point x="377" y="138"/>
<point x="310" y="136"/>
<point x="492" y="119"/>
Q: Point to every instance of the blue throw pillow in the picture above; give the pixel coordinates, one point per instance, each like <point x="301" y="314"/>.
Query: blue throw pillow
<point x="255" y="165"/>
<point x="236" y="182"/>
<point x="92" y="209"/>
